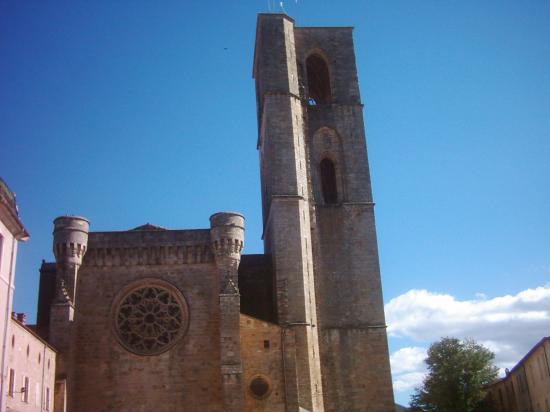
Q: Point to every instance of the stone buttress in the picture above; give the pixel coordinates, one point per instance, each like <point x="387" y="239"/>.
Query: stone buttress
<point x="287" y="231"/>
<point x="70" y="242"/>
<point x="227" y="237"/>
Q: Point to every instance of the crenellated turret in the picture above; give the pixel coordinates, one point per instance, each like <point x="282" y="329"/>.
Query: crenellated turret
<point x="70" y="238"/>
<point x="227" y="239"/>
<point x="70" y="241"/>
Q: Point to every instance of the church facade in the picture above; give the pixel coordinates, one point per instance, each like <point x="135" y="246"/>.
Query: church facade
<point x="152" y="319"/>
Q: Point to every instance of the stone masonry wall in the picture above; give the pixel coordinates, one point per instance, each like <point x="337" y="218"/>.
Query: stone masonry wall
<point x="354" y="353"/>
<point x="109" y="377"/>
<point x="261" y="348"/>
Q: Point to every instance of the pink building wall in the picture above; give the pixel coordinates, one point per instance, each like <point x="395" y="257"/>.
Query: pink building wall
<point x="8" y="251"/>
<point x="31" y="371"/>
<point x="11" y="231"/>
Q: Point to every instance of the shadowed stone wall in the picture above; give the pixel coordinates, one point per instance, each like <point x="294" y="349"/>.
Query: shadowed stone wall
<point x="262" y="359"/>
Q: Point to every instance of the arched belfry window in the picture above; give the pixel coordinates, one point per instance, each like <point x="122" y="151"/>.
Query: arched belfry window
<point x="318" y="79"/>
<point x="328" y="181"/>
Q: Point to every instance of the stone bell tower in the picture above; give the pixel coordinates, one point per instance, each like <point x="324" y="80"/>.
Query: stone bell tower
<point x="318" y="216"/>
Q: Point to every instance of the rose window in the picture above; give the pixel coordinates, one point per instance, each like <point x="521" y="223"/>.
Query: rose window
<point x="150" y="319"/>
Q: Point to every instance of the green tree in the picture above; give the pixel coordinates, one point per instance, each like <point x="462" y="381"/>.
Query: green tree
<point x="458" y="373"/>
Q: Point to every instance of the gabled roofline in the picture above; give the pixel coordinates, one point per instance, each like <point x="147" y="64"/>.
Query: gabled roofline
<point x="9" y="213"/>
<point x="28" y="329"/>
<point x="528" y="354"/>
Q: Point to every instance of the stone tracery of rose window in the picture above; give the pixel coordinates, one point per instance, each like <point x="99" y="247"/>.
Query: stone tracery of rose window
<point x="149" y="319"/>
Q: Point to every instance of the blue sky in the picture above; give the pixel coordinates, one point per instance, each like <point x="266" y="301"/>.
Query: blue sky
<point x="128" y="113"/>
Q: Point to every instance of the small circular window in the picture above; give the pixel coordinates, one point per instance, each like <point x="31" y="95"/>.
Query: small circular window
<point x="260" y="387"/>
<point x="149" y="319"/>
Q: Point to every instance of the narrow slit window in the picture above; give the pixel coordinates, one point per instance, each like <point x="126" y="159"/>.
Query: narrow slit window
<point x="328" y="182"/>
<point x="11" y="385"/>
<point x="318" y="80"/>
<point x="25" y="390"/>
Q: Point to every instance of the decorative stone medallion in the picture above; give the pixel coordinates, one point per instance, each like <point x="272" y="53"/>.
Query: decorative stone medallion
<point x="150" y="317"/>
<point x="260" y="387"/>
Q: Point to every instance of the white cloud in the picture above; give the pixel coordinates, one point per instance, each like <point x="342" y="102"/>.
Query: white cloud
<point x="408" y="359"/>
<point x="408" y="368"/>
<point x="509" y="325"/>
<point x="407" y="382"/>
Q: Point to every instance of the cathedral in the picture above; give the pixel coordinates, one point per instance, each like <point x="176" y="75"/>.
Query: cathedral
<point x="155" y="319"/>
